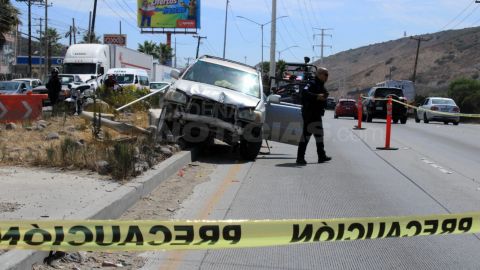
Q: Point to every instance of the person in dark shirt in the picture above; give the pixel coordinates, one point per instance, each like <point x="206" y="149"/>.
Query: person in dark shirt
<point x="314" y="101"/>
<point x="54" y="87"/>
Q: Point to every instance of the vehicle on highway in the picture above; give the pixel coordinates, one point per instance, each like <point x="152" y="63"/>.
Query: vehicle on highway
<point x="224" y="99"/>
<point x="154" y="86"/>
<point x="13" y="87"/>
<point x="346" y="108"/>
<point x="31" y="83"/>
<point x="130" y="77"/>
<point x="375" y="106"/>
<point x="426" y="111"/>
<point x="331" y="103"/>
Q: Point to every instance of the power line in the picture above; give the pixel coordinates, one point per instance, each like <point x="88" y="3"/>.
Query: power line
<point x="466" y="17"/>
<point x="458" y="15"/>
<point x="113" y="10"/>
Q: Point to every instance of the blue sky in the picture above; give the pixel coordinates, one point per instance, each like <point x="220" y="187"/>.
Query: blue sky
<point x="355" y="23"/>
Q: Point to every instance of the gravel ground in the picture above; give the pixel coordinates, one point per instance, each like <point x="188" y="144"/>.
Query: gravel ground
<point x="161" y="204"/>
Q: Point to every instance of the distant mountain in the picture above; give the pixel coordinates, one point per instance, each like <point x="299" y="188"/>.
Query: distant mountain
<point x="447" y="56"/>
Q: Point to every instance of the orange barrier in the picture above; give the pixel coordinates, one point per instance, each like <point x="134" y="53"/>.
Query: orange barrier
<point x="389" y="127"/>
<point x="15" y="108"/>
<point x="359" y="114"/>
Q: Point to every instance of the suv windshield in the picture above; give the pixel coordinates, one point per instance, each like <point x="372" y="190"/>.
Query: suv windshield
<point x="9" y="86"/>
<point x="225" y="77"/>
<point x="383" y="92"/>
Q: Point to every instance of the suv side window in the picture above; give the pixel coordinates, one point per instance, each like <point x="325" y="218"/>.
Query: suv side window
<point x="371" y="92"/>
<point x="426" y="101"/>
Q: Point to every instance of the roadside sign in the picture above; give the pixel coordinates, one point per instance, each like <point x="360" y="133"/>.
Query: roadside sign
<point x="37" y="60"/>
<point x="15" y="108"/>
<point x="115" y="39"/>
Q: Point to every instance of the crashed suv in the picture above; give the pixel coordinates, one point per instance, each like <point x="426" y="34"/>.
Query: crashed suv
<point x="375" y="105"/>
<point x="215" y="98"/>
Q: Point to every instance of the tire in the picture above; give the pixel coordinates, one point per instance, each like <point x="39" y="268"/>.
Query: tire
<point x="417" y="120"/>
<point x="425" y="119"/>
<point x="369" y="117"/>
<point x="335" y="116"/>
<point x="249" y="150"/>
<point x="445" y="122"/>
<point x="455" y="123"/>
<point x="403" y="121"/>
<point x="395" y="120"/>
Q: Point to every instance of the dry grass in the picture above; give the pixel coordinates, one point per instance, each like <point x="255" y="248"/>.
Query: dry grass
<point x="77" y="148"/>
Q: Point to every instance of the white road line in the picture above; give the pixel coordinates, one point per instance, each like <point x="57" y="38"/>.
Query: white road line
<point x="436" y="166"/>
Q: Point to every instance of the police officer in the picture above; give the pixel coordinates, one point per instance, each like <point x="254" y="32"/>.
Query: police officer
<point x="54" y="87"/>
<point x="313" y="99"/>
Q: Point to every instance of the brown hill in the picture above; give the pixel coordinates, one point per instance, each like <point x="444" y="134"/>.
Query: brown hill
<point x="447" y="56"/>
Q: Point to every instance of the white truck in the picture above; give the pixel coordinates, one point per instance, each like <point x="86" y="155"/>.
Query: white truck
<point x="161" y="73"/>
<point x="407" y="86"/>
<point x="91" y="61"/>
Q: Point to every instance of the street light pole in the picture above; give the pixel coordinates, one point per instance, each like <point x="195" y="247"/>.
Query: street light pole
<point x="261" y="28"/>
<point x="225" y="34"/>
<point x="280" y="52"/>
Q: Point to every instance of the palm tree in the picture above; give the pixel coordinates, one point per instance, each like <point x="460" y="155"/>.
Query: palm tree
<point x="149" y="47"/>
<point x="166" y="54"/>
<point x="8" y="19"/>
<point x="95" y="38"/>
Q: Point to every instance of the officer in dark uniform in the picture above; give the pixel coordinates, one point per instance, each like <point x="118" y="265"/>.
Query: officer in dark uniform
<point x="54" y="87"/>
<point x="314" y="100"/>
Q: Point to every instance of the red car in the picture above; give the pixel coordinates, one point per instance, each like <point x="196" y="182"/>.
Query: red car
<point x="346" y="108"/>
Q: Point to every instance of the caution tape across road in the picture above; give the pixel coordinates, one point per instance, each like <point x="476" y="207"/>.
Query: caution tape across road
<point x="431" y="111"/>
<point x="116" y="235"/>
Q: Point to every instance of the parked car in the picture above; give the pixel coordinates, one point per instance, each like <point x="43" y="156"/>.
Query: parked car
<point x="31" y="83"/>
<point x="224" y="99"/>
<point x="426" y="111"/>
<point x="13" y="87"/>
<point x="375" y="108"/>
<point x="154" y="86"/>
<point x="346" y="108"/>
<point x="331" y="103"/>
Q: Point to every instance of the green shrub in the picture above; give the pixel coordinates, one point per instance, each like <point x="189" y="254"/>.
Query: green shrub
<point x="122" y="160"/>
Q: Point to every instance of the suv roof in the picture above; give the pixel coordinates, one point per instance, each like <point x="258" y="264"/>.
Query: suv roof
<point x="227" y="62"/>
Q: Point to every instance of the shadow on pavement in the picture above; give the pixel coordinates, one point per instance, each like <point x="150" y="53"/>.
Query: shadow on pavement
<point x="289" y="165"/>
<point x="218" y="153"/>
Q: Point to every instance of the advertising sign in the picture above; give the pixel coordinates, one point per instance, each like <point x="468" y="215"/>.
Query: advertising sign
<point x="168" y="13"/>
<point x="36" y="60"/>
<point x="115" y="39"/>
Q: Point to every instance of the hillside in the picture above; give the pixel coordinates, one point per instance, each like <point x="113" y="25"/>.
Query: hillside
<point x="447" y="56"/>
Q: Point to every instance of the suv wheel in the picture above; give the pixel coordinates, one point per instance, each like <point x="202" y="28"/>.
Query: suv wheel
<point x="369" y="117"/>
<point x="425" y="119"/>
<point x="249" y="150"/>
<point x="395" y="120"/>
<point x="404" y="120"/>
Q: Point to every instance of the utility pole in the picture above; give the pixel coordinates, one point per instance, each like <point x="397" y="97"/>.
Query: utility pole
<point x="419" y="40"/>
<point x="199" y="38"/>
<point x="273" y="39"/>
<point x="92" y="31"/>
<point x="175" y="63"/>
<point x="47" y="58"/>
<point x="89" y="26"/>
<point x="225" y="33"/>
<point x="74" y="30"/>
<point x="29" y="38"/>
<point x="188" y="60"/>
<point x="322" y="45"/>
<point x="40" y="46"/>
<point x="120" y="27"/>
<point x="70" y="37"/>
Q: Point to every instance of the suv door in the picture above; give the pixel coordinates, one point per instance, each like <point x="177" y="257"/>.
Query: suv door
<point x="283" y="121"/>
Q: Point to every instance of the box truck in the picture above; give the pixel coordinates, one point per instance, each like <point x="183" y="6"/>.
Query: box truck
<point x="91" y="61"/>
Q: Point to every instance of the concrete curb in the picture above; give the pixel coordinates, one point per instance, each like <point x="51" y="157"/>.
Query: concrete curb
<point x="111" y="207"/>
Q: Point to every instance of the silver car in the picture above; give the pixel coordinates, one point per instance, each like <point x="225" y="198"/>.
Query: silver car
<point x="31" y="83"/>
<point x="223" y="99"/>
<point x="13" y="87"/>
<point x="448" y="108"/>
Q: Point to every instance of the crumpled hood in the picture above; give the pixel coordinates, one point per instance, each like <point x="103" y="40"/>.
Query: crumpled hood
<point x="219" y="94"/>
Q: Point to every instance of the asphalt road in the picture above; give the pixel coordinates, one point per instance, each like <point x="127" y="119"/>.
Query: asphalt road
<point x="435" y="171"/>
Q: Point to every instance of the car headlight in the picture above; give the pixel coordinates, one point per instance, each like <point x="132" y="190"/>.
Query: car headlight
<point x="250" y="115"/>
<point x="176" y="96"/>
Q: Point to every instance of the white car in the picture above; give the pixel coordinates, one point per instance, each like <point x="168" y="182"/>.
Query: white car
<point x="31" y="83"/>
<point x="155" y="86"/>
<point x="427" y="111"/>
<point x="223" y="99"/>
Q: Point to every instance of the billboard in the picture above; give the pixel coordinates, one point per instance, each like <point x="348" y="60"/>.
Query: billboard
<point x="168" y="13"/>
<point x="115" y="39"/>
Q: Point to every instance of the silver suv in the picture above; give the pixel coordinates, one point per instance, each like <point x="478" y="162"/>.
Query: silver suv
<point x="223" y="99"/>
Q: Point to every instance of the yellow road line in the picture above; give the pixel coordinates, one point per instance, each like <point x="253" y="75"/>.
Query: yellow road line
<point x="175" y="258"/>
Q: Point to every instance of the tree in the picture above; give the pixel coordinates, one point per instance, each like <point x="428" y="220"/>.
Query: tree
<point x="165" y="53"/>
<point x="466" y="93"/>
<point x="8" y="19"/>
<point x="149" y="47"/>
<point x="95" y="38"/>
<point x="162" y="52"/>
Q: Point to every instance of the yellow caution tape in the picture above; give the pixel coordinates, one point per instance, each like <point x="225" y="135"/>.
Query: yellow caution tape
<point x="431" y="111"/>
<point x="116" y="235"/>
